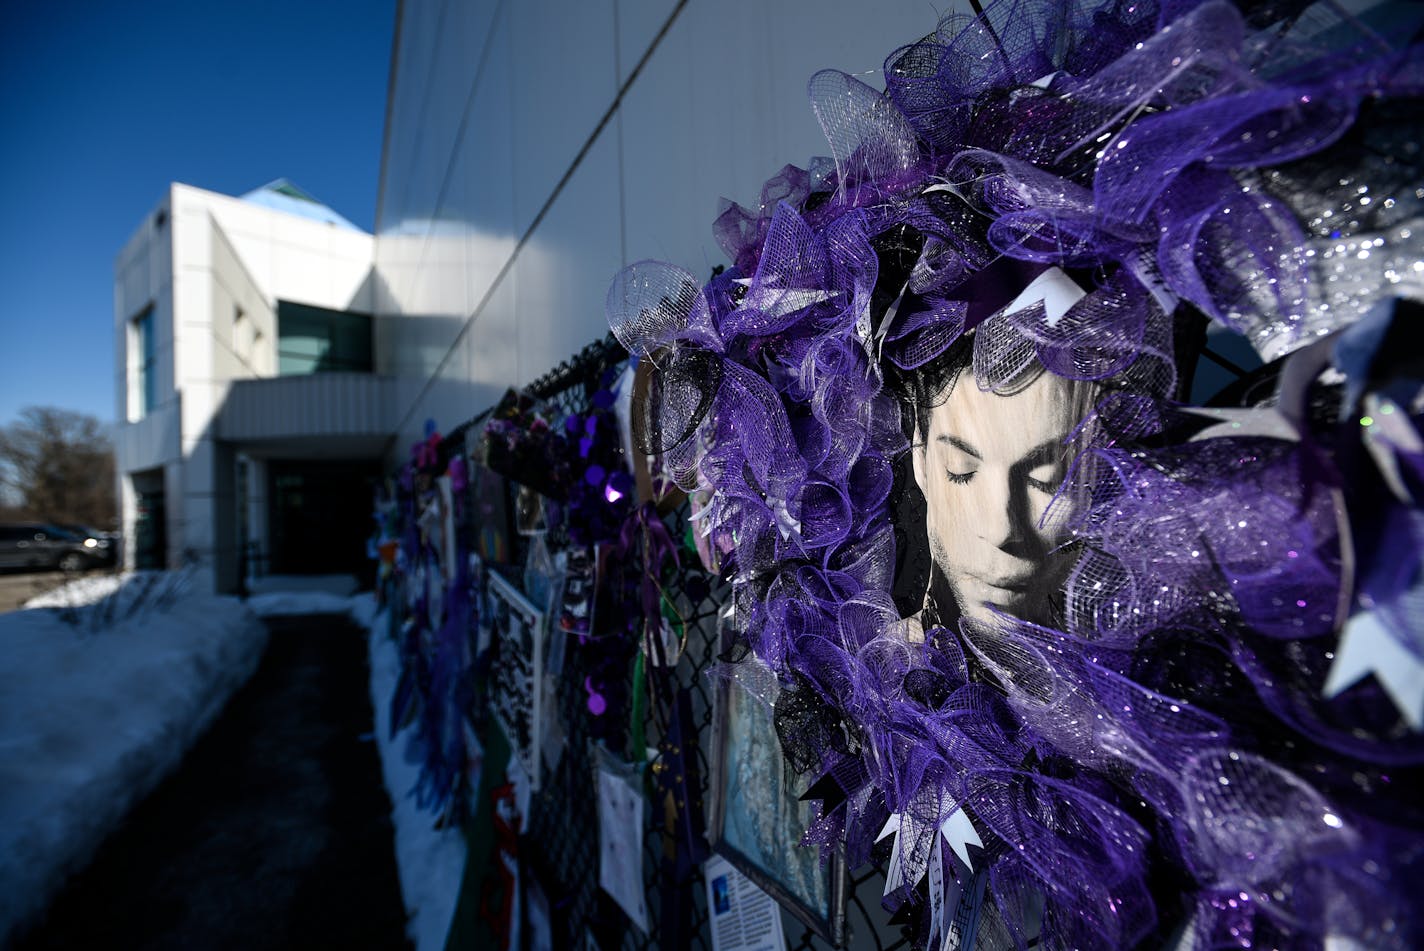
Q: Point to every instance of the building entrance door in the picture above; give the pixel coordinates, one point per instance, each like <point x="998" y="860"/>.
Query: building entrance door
<point x="320" y="517"/>
<point x="151" y="531"/>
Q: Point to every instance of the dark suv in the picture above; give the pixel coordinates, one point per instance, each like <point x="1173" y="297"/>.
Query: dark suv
<point x="40" y="545"/>
<point x="103" y="545"/>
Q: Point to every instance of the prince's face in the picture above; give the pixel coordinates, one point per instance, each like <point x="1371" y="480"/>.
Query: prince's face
<point x="989" y="466"/>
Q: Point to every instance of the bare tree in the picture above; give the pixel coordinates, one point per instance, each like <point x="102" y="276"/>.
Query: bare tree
<point x="59" y="464"/>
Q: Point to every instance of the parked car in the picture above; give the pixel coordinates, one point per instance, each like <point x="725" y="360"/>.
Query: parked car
<point x="41" y="545"/>
<point x="107" y="545"/>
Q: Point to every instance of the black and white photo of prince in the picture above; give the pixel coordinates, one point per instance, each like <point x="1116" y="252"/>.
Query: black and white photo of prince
<point x="993" y="433"/>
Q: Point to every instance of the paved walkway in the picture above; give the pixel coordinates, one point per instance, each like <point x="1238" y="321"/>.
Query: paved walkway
<point x="274" y="833"/>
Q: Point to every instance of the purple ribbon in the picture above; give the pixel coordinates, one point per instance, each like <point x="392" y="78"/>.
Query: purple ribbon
<point x="657" y="549"/>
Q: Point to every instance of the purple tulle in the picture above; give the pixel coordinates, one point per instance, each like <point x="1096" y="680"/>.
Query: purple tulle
<point x="433" y="700"/>
<point x="1161" y="753"/>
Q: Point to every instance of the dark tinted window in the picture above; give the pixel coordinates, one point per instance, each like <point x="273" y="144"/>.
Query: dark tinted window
<point x="147" y="362"/>
<point x="316" y="340"/>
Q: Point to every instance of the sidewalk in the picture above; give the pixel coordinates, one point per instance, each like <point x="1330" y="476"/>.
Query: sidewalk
<point x="274" y="832"/>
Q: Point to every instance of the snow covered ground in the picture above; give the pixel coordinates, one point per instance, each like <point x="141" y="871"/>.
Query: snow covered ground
<point x="107" y="682"/>
<point x="86" y="590"/>
<point x="431" y="861"/>
<point x="104" y="686"/>
<point x="279" y="603"/>
<point x="275" y="595"/>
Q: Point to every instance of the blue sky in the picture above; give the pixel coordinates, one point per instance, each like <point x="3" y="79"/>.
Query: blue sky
<point x="103" y="104"/>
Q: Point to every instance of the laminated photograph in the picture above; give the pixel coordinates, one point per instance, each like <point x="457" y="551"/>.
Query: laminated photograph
<point x="743" y="917"/>
<point x="517" y="677"/>
<point x="758" y="817"/>
<point x="620" y="825"/>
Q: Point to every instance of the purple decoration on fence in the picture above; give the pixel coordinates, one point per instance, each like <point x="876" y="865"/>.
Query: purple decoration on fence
<point x="1154" y="748"/>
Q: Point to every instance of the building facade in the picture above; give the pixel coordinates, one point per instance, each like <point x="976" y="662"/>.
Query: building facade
<point x="531" y="151"/>
<point x="249" y="389"/>
<point x="535" y="148"/>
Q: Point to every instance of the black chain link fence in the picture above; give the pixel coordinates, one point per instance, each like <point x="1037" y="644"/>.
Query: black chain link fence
<point x="561" y="845"/>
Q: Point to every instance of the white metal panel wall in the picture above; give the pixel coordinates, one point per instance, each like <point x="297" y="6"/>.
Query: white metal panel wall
<point x="249" y="350"/>
<point x="149" y="442"/>
<point x="143" y="276"/>
<point x="506" y="207"/>
<point x="288" y="256"/>
<point x="310" y="406"/>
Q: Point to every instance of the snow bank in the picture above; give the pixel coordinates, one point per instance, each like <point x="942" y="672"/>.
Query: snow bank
<point x="106" y="682"/>
<point x="104" y="686"/>
<point x="431" y="861"/>
<point x="287" y="603"/>
<point x="80" y="592"/>
<point x="341" y="585"/>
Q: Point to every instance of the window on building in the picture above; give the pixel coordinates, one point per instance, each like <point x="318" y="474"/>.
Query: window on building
<point x="145" y="363"/>
<point x="317" y="340"/>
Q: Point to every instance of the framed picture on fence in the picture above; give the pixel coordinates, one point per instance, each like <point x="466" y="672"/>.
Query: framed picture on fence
<point x="517" y="689"/>
<point x="758" y="818"/>
<point x="491" y="524"/>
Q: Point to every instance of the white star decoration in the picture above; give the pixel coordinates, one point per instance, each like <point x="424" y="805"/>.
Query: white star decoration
<point x="1367" y="647"/>
<point x="1055" y="289"/>
<point x="1244" y="422"/>
<point x="960" y="833"/>
<point x="1390" y="432"/>
<point x="780" y="301"/>
<point x="910" y="861"/>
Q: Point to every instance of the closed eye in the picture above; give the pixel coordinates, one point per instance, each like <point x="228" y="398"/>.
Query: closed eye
<point x="959" y="478"/>
<point x="963" y="455"/>
<point x="1043" y="466"/>
<point x="1044" y="479"/>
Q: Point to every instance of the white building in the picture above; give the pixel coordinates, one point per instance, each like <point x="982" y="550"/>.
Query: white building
<point x="532" y="150"/>
<point x="251" y="397"/>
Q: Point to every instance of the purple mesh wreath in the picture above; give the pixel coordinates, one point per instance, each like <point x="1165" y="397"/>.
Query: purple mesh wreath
<point x="1172" y="751"/>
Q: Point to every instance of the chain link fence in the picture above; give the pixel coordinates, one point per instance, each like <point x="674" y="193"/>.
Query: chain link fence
<point x="562" y="843"/>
